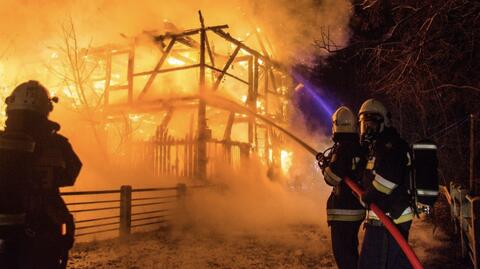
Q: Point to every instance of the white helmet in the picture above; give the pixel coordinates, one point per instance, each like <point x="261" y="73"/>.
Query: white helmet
<point x="373" y="118"/>
<point x="372" y="106"/>
<point x="30" y="95"/>
<point x="344" y="121"/>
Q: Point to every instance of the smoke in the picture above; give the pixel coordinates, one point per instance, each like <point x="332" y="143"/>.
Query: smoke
<point x="29" y="28"/>
<point x="252" y="203"/>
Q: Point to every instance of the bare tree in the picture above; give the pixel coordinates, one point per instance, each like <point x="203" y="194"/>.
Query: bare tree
<point x="421" y="57"/>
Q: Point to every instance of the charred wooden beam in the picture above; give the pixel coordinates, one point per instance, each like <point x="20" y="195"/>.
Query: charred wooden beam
<point x="228" y="127"/>
<point x="108" y="77"/>
<point x="225" y="68"/>
<point x="228" y="74"/>
<point x="202" y="119"/>
<point x="255" y="95"/>
<point x="209" y="50"/>
<point x="188" y="102"/>
<point x="251" y="99"/>
<point x="166" y="119"/>
<point x="188" y="41"/>
<point x="156" y="69"/>
<point x="189" y="32"/>
<point x="166" y="70"/>
<point x="130" y="70"/>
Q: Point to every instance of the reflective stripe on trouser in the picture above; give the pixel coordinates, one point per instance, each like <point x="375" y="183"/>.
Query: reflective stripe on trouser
<point x="424" y="146"/>
<point x="12" y="219"/>
<point x="345" y="214"/>
<point x="407" y="215"/>
<point x="383" y="185"/>
<point x="331" y="177"/>
<point x="423" y="192"/>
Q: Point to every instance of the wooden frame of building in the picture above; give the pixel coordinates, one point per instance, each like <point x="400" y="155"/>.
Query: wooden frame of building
<point x="266" y="85"/>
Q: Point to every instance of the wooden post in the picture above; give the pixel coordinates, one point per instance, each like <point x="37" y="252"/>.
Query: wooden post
<point x="251" y="100"/>
<point x="125" y="210"/>
<point x="181" y="193"/>
<point x="108" y="77"/>
<point x="182" y="214"/>
<point x="473" y="185"/>
<point x="201" y="170"/>
<point x="131" y="64"/>
<point x="266" y="78"/>
<point x="255" y="93"/>
<point x="475" y="229"/>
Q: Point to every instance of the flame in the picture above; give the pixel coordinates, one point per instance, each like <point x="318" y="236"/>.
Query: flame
<point x="99" y="85"/>
<point x="175" y="61"/>
<point x="135" y="118"/>
<point x="102" y="68"/>
<point x="244" y="98"/>
<point x="286" y="158"/>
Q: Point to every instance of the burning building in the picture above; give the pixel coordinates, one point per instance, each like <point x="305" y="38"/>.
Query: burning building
<point x="183" y="103"/>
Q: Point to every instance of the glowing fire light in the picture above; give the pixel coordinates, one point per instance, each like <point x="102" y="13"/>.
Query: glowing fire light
<point x="285" y="160"/>
<point x="99" y="85"/>
<point x="175" y="61"/>
<point x="135" y="118"/>
<point x="244" y="98"/>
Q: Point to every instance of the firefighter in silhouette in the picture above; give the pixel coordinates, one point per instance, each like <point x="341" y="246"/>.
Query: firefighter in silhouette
<point x="344" y="211"/>
<point x="38" y="230"/>
<point x="386" y="183"/>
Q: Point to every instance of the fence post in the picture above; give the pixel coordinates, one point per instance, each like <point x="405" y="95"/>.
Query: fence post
<point x="181" y="193"/>
<point x="182" y="207"/>
<point x="475" y="218"/>
<point x="472" y="177"/>
<point x="125" y="210"/>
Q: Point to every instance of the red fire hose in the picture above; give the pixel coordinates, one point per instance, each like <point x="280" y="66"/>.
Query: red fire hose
<point x="390" y="226"/>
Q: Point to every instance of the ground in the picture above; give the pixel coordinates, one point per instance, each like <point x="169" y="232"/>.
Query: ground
<point x="302" y="246"/>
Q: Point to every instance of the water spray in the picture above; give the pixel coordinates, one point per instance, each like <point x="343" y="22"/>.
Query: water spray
<point x="386" y="221"/>
<point x="309" y="88"/>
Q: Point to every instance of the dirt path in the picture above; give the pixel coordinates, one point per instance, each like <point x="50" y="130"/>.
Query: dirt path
<point x="303" y="248"/>
<point x="300" y="247"/>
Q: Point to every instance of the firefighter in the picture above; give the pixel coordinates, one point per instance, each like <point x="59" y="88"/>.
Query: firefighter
<point x="385" y="179"/>
<point x="344" y="212"/>
<point x="48" y="227"/>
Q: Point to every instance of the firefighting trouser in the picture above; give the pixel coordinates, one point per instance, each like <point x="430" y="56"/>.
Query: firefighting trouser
<point x="12" y="247"/>
<point x="379" y="248"/>
<point x="345" y="243"/>
<point x="48" y="247"/>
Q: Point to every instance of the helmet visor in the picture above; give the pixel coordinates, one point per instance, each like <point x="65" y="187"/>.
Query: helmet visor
<point x="370" y="125"/>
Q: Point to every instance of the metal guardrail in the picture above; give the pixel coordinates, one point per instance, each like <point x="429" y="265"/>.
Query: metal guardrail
<point x="153" y="206"/>
<point x="465" y="212"/>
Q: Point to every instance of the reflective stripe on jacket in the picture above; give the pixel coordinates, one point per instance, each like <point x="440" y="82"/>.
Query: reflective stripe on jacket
<point x="331" y="178"/>
<point x="382" y="184"/>
<point x="12" y="219"/>
<point x="387" y="174"/>
<point x="407" y="215"/>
